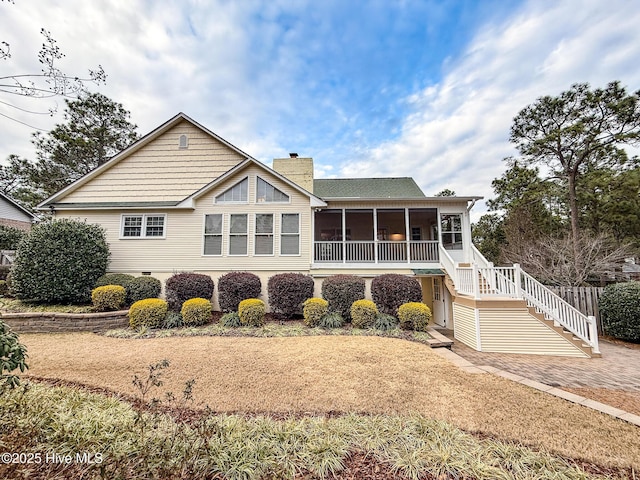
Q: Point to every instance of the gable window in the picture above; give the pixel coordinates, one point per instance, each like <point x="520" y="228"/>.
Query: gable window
<point x="238" y="234"/>
<point x="451" y="229"/>
<point x="239" y="193"/>
<point x="267" y="193"/>
<point x="290" y="234"/>
<point x="143" y="226"/>
<point x="183" y="142"/>
<point x="213" y="234"/>
<point x="264" y="234"/>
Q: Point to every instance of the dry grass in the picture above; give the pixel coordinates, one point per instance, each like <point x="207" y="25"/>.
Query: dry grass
<point x="347" y="374"/>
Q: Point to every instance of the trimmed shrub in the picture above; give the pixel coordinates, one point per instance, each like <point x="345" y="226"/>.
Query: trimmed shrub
<point x="59" y="262"/>
<point x="341" y="291"/>
<point x="332" y="320"/>
<point x="231" y="319"/>
<point x="414" y="316"/>
<point x="122" y="279"/>
<point x="196" y="311"/>
<point x="143" y="287"/>
<point x="10" y="237"/>
<point x="235" y="287"/>
<point x="251" y="312"/>
<point x="4" y="288"/>
<point x="313" y="310"/>
<point x="363" y="314"/>
<point x="288" y="291"/>
<point x="620" y="311"/>
<point x="150" y="312"/>
<point x="108" y="297"/>
<point x="391" y="290"/>
<point x="182" y="286"/>
<point x="14" y="357"/>
<point x="385" y="322"/>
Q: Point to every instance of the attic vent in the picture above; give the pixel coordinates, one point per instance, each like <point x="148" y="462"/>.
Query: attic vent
<point x="184" y="142"/>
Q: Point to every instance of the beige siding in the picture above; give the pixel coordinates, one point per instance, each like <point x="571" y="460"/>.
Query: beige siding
<point x="160" y="171"/>
<point x="182" y="248"/>
<point x="515" y="330"/>
<point x="464" y="325"/>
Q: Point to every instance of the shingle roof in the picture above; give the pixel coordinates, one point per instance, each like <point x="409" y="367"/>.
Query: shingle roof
<point x="402" y="187"/>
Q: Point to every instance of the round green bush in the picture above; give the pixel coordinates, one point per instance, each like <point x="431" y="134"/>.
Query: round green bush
<point x="150" y="312"/>
<point x="251" y="312"/>
<point x="620" y="311"/>
<point x="196" y="312"/>
<point x="341" y="291"/>
<point x="143" y="287"/>
<point x="414" y="316"/>
<point x="60" y="262"/>
<point x="391" y="290"/>
<point x="182" y="286"/>
<point x="235" y="287"/>
<point x="122" y="279"/>
<point x="10" y="237"/>
<point x="288" y="291"/>
<point x="313" y="310"/>
<point x="108" y="297"/>
<point x="363" y="314"/>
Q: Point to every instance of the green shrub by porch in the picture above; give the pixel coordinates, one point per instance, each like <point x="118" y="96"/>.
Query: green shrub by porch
<point x="363" y="314"/>
<point x="414" y="316"/>
<point x="143" y="287"/>
<point x="341" y="291"/>
<point x="60" y="262"/>
<point x="391" y="290"/>
<point x="620" y="311"/>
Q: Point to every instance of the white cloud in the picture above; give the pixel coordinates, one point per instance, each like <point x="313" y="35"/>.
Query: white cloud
<point x="457" y="133"/>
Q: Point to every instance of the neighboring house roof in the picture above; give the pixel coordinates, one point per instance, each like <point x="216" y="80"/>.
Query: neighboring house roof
<point x="12" y="210"/>
<point x="369" y="188"/>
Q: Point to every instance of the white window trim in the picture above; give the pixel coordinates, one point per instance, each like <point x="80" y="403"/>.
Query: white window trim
<point x="287" y="202"/>
<point x="256" y="234"/>
<point x="240" y="202"/>
<point x="204" y="235"/>
<point x="143" y="228"/>
<point x="229" y="235"/>
<point x="281" y="234"/>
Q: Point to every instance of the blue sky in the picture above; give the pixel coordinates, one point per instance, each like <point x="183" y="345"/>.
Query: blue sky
<point x="367" y="88"/>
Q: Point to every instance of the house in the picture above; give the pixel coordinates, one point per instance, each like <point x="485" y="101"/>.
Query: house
<point x="183" y="199"/>
<point x="14" y="215"/>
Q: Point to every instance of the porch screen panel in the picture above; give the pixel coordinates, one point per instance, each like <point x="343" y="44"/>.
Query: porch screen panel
<point x="360" y="246"/>
<point x="238" y="234"/>
<point x="213" y="234"/>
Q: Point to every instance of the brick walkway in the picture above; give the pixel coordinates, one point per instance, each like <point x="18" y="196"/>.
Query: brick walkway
<point x="619" y="367"/>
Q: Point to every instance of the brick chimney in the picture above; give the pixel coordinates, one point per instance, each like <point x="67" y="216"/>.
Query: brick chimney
<point x="298" y="170"/>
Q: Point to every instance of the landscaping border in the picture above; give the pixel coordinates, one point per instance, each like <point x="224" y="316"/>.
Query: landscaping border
<point x="53" y="322"/>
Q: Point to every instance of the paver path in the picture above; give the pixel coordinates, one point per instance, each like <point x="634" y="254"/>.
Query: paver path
<point x="619" y="367"/>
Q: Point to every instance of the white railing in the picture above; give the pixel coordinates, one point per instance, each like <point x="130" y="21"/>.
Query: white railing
<point x="378" y="251"/>
<point x="512" y="282"/>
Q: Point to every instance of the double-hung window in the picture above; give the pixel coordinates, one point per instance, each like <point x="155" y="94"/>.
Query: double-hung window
<point x="451" y="230"/>
<point x="290" y="234"/>
<point x="143" y="226"/>
<point x="264" y="234"/>
<point x="238" y="227"/>
<point x="213" y="234"/>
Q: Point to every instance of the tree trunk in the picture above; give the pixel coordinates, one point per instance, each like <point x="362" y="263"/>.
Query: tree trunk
<point x="575" y="229"/>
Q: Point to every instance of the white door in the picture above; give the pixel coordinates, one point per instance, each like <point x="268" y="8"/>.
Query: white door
<point x="438" y="302"/>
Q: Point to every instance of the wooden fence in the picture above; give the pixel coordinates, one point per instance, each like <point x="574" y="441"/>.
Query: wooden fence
<point x="584" y="299"/>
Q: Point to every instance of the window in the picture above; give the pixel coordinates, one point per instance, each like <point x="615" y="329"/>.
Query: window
<point x="265" y="192"/>
<point x="236" y="194"/>
<point x="143" y="226"/>
<point x="451" y="228"/>
<point x="238" y="234"/>
<point x="183" y="142"/>
<point x="290" y="234"/>
<point x="213" y="234"/>
<point x="264" y="234"/>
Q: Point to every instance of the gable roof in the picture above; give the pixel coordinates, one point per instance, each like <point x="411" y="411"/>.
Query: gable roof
<point x="369" y="188"/>
<point x="15" y="205"/>
<point x="55" y="199"/>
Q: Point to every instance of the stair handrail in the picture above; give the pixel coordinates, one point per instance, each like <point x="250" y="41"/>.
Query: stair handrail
<point x="448" y="264"/>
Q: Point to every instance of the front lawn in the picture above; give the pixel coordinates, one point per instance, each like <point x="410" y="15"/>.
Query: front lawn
<point x="331" y="375"/>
